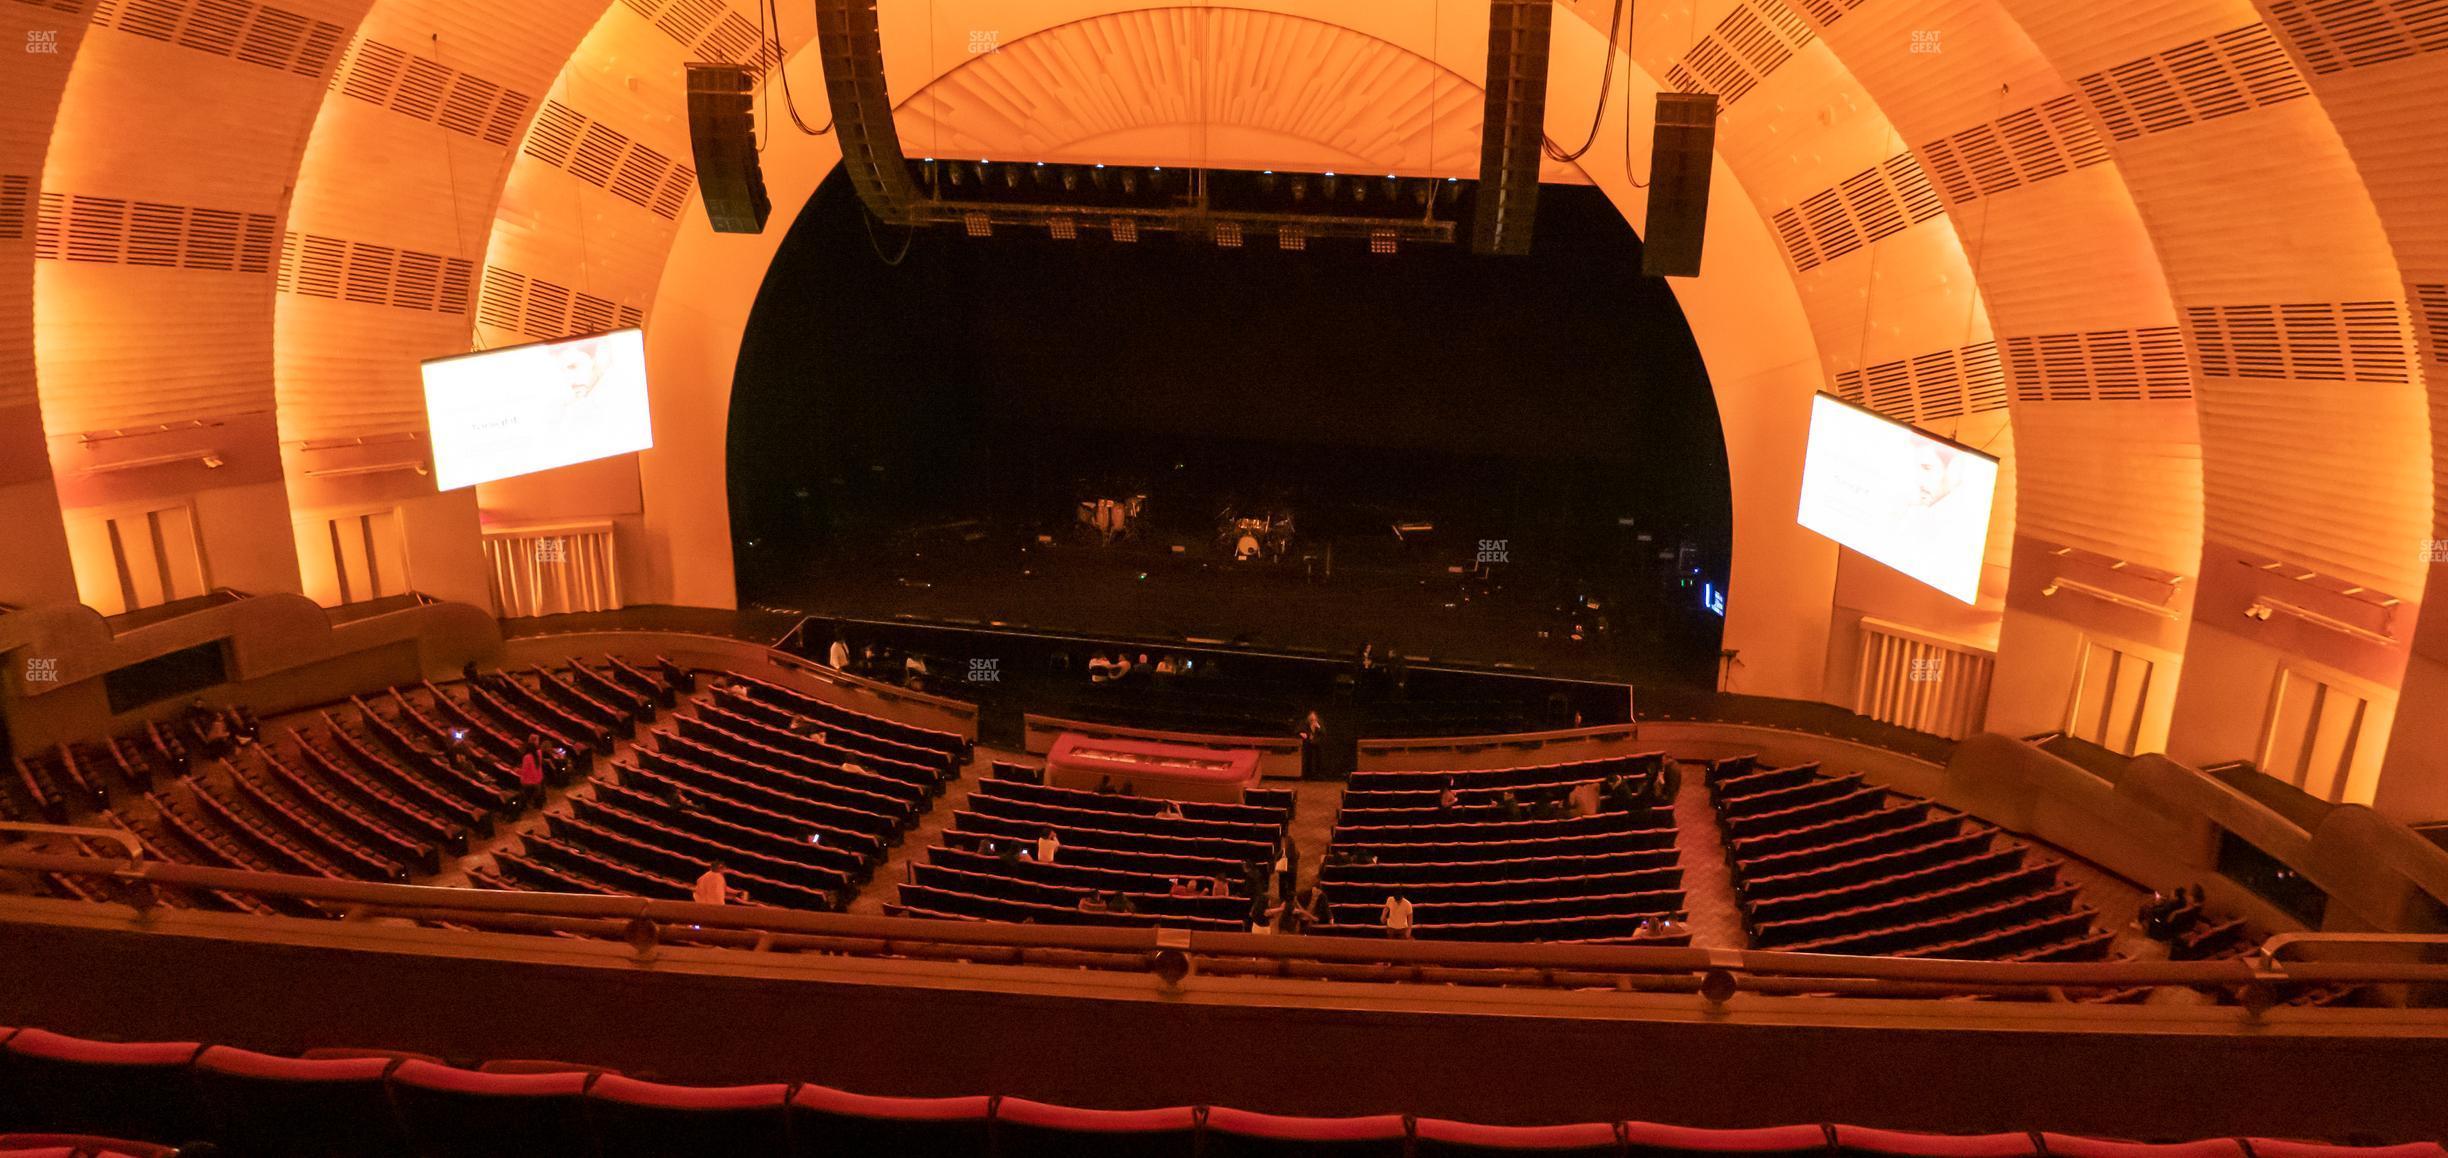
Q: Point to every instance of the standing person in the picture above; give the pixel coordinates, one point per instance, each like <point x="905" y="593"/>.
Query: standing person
<point x="713" y="886"/>
<point x="1048" y="846"/>
<point x="838" y="656"/>
<point x="1312" y="736"/>
<point x="530" y="770"/>
<point x="1397" y="917"/>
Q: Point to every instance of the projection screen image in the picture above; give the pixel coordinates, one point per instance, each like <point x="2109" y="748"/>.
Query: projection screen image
<point x="1913" y="502"/>
<point x="514" y="411"/>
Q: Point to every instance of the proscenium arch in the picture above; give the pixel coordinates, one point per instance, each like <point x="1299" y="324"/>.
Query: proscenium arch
<point x="1749" y="324"/>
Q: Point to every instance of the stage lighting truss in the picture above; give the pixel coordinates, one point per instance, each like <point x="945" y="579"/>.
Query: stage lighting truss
<point x="1222" y="206"/>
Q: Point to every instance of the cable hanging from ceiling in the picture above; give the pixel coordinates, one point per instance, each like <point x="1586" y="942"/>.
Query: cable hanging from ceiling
<point x="769" y="15"/>
<point x="1606" y="81"/>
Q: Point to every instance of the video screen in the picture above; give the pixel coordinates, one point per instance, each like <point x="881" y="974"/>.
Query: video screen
<point x="1916" y="503"/>
<point x="503" y="413"/>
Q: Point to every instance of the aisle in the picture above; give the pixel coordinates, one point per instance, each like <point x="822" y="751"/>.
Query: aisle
<point x="1708" y="886"/>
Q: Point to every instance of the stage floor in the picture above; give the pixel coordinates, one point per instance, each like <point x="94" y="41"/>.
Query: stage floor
<point x="1382" y="595"/>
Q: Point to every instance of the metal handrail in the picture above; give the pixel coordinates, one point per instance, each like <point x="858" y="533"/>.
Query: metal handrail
<point x="119" y="837"/>
<point x="648" y="921"/>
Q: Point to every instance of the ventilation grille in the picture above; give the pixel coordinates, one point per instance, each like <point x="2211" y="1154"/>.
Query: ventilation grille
<point x="2336" y="35"/>
<point x="69" y="6"/>
<point x="711" y="29"/>
<point x="2102" y="366"/>
<point x="116" y="231"/>
<point x="1876" y="203"/>
<point x="258" y="34"/>
<point x="541" y="309"/>
<point x="1930" y="387"/>
<point x="464" y="103"/>
<point x="16" y="192"/>
<point x="377" y="275"/>
<point x="1751" y="42"/>
<point x="593" y="152"/>
<point x="2226" y="74"/>
<point x="2308" y="341"/>
<point x="2021" y="148"/>
<point x="1826" y="12"/>
<point x="2431" y="306"/>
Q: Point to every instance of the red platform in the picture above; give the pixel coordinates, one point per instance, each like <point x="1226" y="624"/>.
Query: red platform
<point x="1146" y="768"/>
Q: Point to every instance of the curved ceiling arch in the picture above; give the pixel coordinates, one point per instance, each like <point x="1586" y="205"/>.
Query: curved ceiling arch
<point x="1757" y="342"/>
<point x="2315" y="433"/>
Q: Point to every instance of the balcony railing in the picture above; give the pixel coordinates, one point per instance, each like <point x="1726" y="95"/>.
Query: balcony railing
<point x="1716" y="975"/>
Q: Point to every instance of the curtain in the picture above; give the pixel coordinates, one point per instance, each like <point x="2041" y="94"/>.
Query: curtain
<point x="553" y="570"/>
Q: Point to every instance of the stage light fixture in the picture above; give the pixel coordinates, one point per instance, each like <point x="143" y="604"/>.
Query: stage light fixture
<point x="1290" y="237"/>
<point x="1228" y="234"/>
<point x="1382" y="241"/>
<point x="977" y="224"/>
<point x="1063" y="229"/>
<point x="1125" y="229"/>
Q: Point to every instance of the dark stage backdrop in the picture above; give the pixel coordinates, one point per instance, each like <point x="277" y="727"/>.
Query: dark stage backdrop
<point x="1542" y="400"/>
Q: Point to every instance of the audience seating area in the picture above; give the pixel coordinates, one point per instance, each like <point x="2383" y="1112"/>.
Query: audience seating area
<point x="1830" y="864"/>
<point x="1476" y="870"/>
<point x="797" y="799"/>
<point x="380" y="1103"/>
<point x="1118" y="860"/>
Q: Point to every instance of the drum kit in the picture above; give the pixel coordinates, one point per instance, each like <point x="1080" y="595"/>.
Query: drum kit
<point x="1247" y="538"/>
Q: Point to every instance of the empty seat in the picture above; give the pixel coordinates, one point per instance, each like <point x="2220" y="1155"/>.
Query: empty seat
<point x="650" y="1119"/>
<point x="1026" y="1129"/>
<point x="1438" y="1138"/>
<point x="456" y="1113"/>
<point x="1651" y="1140"/>
<point x="829" y="1123"/>
<point x="1865" y="1142"/>
<point x="285" y="1107"/>
<point x="2282" y="1148"/>
<point x="52" y="1082"/>
<point x="2074" y="1146"/>
<point x="1235" y="1133"/>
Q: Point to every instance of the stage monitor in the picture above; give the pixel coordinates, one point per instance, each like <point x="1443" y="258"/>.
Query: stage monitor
<point x="497" y="414"/>
<point x="1917" y="503"/>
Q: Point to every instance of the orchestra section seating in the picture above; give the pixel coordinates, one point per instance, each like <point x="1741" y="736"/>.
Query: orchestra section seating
<point x="1833" y="864"/>
<point x="1119" y="859"/>
<point x="1486" y="868"/>
<point x="69" y="1094"/>
<point x="797" y="799"/>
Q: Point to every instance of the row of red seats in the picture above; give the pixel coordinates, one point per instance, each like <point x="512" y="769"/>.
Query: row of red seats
<point x="1499" y="779"/>
<point x="55" y="786"/>
<point x="699" y="734"/>
<point x="1474" y="869"/>
<point x="984" y="834"/>
<point x="771" y="728"/>
<point x="854" y="722"/>
<point x="382" y="1104"/>
<point x="698" y="770"/>
<point x="1823" y="864"/>
<point x="1256" y="803"/>
<point x="1149" y="848"/>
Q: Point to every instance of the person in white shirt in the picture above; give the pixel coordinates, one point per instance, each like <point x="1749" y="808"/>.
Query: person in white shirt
<point x="1047" y="846"/>
<point x="1397" y="916"/>
<point x="714" y="888"/>
<point x="839" y="654"/>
